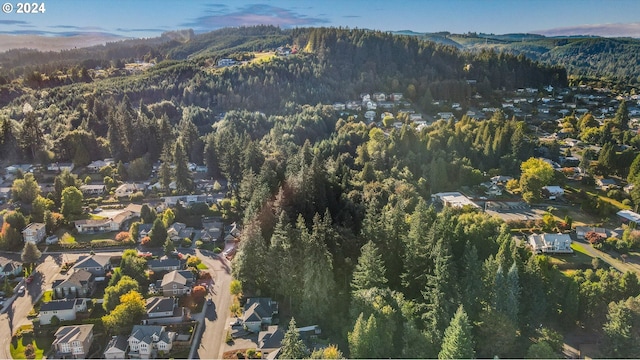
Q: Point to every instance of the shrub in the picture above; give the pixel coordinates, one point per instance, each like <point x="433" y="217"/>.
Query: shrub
<point x="122" y="236"/>
<point x="240" y="355"/>
<point x="199" y="244"/>
<point x="193" y="261"/>
<point x="145" y="240"/>
<point x="251" y="353"/>
<point x="228" y="337"/>
<point x="199" y="292"/>
<point x="186" y="243"/>
<point x="29" y="351"/>
<point x="136" y="197"/>
<point x="217" y="250"/>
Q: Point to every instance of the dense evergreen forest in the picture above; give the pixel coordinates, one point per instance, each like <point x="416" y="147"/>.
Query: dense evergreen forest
<point x="611" y="62"/>
<point x="337" y="220"/>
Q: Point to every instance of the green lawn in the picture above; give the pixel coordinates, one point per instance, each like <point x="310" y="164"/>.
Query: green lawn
<point x="40" y="345"/>
<point x="202" y="266"/>
<point x="578" y="260"/>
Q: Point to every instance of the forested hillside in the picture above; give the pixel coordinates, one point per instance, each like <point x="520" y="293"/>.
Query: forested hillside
<point x="612" y="61"/>
<point x="338" y="222"/>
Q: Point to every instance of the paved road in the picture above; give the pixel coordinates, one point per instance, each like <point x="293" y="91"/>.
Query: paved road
<point x="216" y="316"/>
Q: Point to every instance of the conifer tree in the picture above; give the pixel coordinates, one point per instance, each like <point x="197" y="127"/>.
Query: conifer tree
<point x="370" y="270"/>
<point x="458" y="338"/>
<point x="292" y="345"/>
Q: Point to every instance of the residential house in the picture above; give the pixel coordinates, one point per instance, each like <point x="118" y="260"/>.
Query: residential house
<point x="582" y="231"/>
<point x="550" y="243"/>
<point x="270" y="341"/>
<point x="5" y="193"/>
<point x="552" y="191"/>
<point x="78" y="283"/>
<point x="73" y="341"/>
<point x="379" y="97"/>
<point x="146" y="341"/>
<point x="453" y="199"/>
<point x="120" y="221"/>
<point x="95" y="166"/>
<point x="116" y="348"/>
<point x="396" y="96"/>
<point x="500" y="179"/>
<point x="98" y="265"/>
<point x="164" y="264"/>
<point x="339" y="106"/>
<point x="226" y="62"/>
<point x="628" y="216"/>
<point x="93" y="190"/>
<point x="92" y="226"/>
<point x="177" y="283"/>
<point x="258" y="313"/>
<point x="144" y="230"/>
<point x="9" y="268"/>
<point x="174" y="230"/>
<point x="60" y="167"/>
<point x="34" y="233"/>
<point x="606" y="184"/>
<point x="65" y="310"/>
<point x="164" y="310"/>
<point x="128" y="189"/>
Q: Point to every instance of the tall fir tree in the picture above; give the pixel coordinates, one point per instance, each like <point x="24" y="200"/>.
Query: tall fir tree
<point x="292" y="346"/>
<point x="457" y="342"/>
<point x="370" y="270"/>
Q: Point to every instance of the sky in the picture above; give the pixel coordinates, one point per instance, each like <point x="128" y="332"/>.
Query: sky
<point x="149" y="18"/>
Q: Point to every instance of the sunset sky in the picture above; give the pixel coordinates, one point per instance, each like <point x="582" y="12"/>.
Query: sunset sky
<point x="148" y="18"/>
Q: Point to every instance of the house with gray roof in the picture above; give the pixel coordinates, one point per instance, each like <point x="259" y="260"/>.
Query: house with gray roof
<point x="164" y="264"/>
<point x="116" y="348"/>
<point x="98" y="264"/>
<point x="10" y="267"/>
<point x="270" y="340"/>
<point x="258" y="313"/>
<point x="146" y="341"/>
<point x="73" y="341"/>
<point x="177" y="283"/>
<point x="164" y="310"/>
<point x="79" y="283"/>
<point x="64" y="310"/>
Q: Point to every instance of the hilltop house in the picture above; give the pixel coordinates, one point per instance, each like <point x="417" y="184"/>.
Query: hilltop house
<point x="73" y="341"/>
<point x="65" y="310"/>
<point x="128" y="189"/>
<point x="146" y="340"/>
<point x="34" y="233"/>
<point x="258" y="313"/>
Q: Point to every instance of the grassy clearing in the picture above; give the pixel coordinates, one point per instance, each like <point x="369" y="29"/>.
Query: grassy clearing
<point x="67" y="238"/>
<point x="263" y="57"/>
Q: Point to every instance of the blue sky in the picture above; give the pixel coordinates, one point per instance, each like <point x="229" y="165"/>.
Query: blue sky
<point x="148" y="18"/>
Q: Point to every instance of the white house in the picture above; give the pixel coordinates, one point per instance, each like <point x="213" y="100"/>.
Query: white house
<point x="453" y="199"/>
<point x="65" y="310"/>
<point x="550" y="243"/>
<point x="34" y="233"/>
<point x="60" y="167"/>
<point x="627" y="216"/>
<point x="146" y="340"/>
<point x="128" y="189"/>
<point x="552" y="191"/>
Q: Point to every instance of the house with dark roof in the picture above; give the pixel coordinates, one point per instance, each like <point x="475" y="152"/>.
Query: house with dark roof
<point x="146" y="340"/>
<point x="270" y="340"/>
<point x="98" y="265"/>
<point x="164" y="264"/>
<point x="9" y="267"/>
<point x="116" y="348"/>
<point x="258" y="313"/>
<point x="79" y="283"/>
<point x="64" y="310"/>
<point x="177" y="283"/>
<point x="143" y="230"/>
<point x="164" y="310"/>
<point x="73" y="341"/>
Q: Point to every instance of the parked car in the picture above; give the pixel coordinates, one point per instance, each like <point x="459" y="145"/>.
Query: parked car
<point x="30" y="279"/>
<point x="235" y="322"/>
<point x="209" y="302"/>
<point x="21" y="290"/>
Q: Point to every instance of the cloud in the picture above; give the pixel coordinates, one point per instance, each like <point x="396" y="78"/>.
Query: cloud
<point x="256" y="14"/>
<point x="149" y="30"/>
<point x="13" y="22"/>
<point x="81" y="28"/>
<point x="58" y="33"/>
<point x="606" y="30"/>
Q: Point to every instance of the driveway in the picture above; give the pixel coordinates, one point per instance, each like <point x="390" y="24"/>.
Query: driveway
<point x="216" y="316"/>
